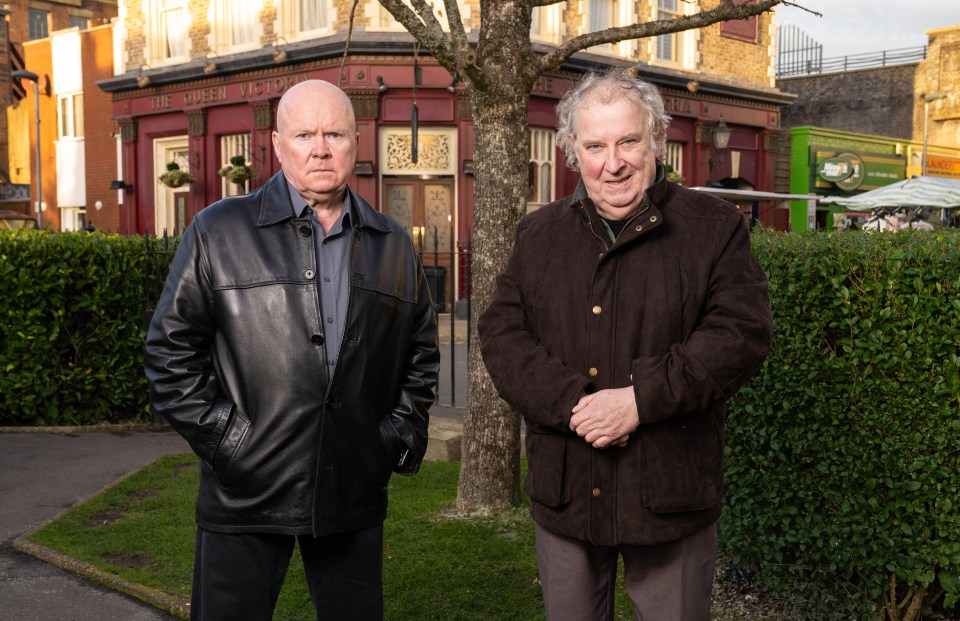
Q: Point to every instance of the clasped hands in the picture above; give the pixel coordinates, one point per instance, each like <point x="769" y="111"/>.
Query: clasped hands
<point x="606" y="418"/>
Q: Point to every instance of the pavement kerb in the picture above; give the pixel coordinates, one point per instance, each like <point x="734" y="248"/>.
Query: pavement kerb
<point x="178" y="607"/>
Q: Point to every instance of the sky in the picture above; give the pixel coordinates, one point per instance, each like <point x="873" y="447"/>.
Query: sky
<point x="861" y="26"/>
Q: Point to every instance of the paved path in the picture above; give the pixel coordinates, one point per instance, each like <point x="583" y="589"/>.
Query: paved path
<point x="42" y="474"/>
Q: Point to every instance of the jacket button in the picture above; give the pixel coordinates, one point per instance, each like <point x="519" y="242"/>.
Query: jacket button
<point x="601" y="255"/>
<point x="596" y="492"/>
<point x="596" y="310"/>
<point x="306" y="231"/>
<point x="639" y="228"/>
<point x="653" y="218"/>
<point x="309" y="274"/>
<point x="317" y="339"/>
<point x="593" y="372"/>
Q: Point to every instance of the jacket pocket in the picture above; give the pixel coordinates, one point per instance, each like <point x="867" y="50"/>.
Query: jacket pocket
<point x="681" y="468"/>
<point x="546" y="480"/>
<point x="233" y="437"/>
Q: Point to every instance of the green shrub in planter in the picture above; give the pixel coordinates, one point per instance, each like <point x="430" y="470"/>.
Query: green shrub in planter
<point x="843" y="454"/>
<point x="71" y="334"/>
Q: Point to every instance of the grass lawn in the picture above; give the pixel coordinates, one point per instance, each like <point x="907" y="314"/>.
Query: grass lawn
<point x="437" y="566"/>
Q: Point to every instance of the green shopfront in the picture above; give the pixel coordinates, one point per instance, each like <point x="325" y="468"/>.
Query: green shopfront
<point x="834" y="163"/>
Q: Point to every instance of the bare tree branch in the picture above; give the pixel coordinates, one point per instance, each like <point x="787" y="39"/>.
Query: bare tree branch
<point x="725" y="11"/>
<point x="430" y="36"/>
<point x="802" y="8"/>
<point x="458" y="34"/>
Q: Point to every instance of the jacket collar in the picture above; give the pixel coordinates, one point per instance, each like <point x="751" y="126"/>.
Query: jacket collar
<point x="275" y="206"/>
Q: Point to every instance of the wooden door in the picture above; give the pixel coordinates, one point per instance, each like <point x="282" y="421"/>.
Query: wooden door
<point x="425" y="208"/>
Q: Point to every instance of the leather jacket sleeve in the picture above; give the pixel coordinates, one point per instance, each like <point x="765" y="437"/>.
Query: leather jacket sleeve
<point x="404" y="431"/>
<point x="178" y="360"/>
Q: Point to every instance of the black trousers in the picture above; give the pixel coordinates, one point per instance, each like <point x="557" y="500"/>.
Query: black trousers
<point x="237" y="577"/>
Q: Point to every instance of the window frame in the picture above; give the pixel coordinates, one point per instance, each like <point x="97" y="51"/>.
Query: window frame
<point x="543" y="152"/>
<point x="36" y="16"/>
<point x="70" y="124"/>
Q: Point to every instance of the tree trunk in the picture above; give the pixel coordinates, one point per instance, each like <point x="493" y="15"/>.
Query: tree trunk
<point x="490" y="467"/>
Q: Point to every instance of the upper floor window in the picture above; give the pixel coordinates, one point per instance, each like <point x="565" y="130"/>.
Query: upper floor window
<point x="71" y="115"/>
<point x="603" y="14"/>
<point x="168" y="30"/>
<point x="301" y="16"/>
<point x="382" y="19"/>
<point x="234" y="24"/>
<point x="545" y="24"/>
<point x="39" y="23"/>
<point x="543" y="150"/>
<point x="79" y="21"/>
<point x="743" y="29"/>
<point x="668" y="45"/>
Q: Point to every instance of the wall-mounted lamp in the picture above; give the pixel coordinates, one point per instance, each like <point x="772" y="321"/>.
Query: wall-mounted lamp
<point x="453" y="85"/>
<point x="383" y="87"/>
<point x="118" y="184"/>
<point x="279" y="56"/>
<point x="142" y="79"/>
<point x="363" y="168"/>
<point x="98" y="205"/>
<point x="468" y="167"/>
<point x="721" y="135"/>
<point x="208" y="65"/>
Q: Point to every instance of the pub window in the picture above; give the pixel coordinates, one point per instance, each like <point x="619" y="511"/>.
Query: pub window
<point x="231" y="145"/>
<point x="71" y="116"/>
<point x="545" y="24"/>
<point x="541" y="168"/>
<point x="168" y="30"/>
<point x="673" y="157"/>
<point x="234" y="25"/>
<point x="675" y="48"/>
<point x="39" y="23"/>
<point x="305" y="16"/>
<point x="382" y="19"/>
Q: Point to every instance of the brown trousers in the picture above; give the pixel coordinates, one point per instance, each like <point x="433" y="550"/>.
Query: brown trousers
<point x="666" y="582"/>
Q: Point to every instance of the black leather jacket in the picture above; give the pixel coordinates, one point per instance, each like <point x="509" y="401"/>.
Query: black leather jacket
<point x="235" y="361"/>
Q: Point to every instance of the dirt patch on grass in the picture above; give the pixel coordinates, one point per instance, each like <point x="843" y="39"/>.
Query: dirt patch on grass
<point x="133" y="561"/>
<point x="177" y="469"/>
<point x="143" y="494"/>
<point x="104" y="518"/>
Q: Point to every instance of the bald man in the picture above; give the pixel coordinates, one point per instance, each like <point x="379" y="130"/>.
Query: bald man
<point x="295" y="348"/>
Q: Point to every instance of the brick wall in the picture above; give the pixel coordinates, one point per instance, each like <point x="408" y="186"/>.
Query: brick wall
<point x="734" y="59"/>
<point x="96" y="48"/>
<point x="871" y="101"/>
<point x="940" y="73"/>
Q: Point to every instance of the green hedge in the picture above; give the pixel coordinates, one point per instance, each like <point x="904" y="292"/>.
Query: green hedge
<point x="71" y="328"/>
<point x="843" y="454"/>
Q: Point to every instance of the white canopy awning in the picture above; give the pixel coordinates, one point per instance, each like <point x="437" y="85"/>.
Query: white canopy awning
<point x="928" y="192"/>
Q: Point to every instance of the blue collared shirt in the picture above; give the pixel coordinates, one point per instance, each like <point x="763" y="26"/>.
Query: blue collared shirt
<point x="333" y="267"/>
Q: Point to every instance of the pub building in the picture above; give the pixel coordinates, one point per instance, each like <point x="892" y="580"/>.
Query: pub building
<point x="201" y="113"/>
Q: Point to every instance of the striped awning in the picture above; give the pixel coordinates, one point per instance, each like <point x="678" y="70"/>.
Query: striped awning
<point x="929" y="192"/>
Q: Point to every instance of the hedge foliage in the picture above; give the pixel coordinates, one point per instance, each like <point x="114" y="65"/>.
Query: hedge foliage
<point x="843" y="454"/>
<point x="71" y="328"/>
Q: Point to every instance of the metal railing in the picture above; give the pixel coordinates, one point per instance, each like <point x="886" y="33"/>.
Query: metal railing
<point x="451" y="297"/>
<point x="812" y="65"/>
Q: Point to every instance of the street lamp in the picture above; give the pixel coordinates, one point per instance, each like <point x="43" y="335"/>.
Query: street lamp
<point x="22" y="74"/>
<point x="927" y="98"/>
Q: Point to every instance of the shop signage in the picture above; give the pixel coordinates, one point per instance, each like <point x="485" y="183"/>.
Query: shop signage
<point x="848" y="170"/>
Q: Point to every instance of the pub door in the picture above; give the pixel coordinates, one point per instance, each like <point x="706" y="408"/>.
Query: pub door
<point x="425" y="208"/>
